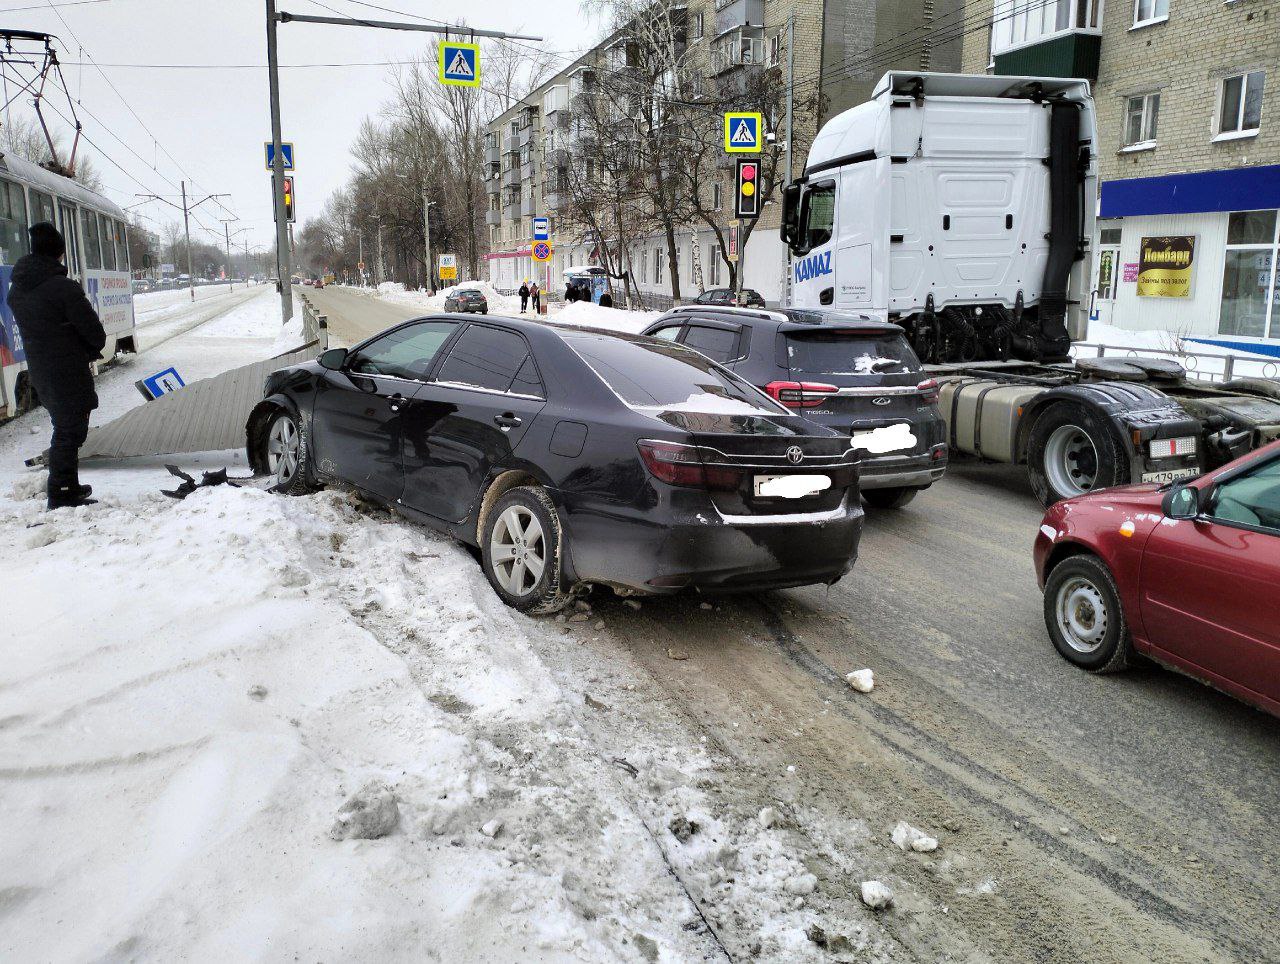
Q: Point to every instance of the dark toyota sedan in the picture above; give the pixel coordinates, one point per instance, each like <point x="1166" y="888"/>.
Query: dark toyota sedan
<point x="570" y="457"/>
<point x="850" y="373"/>
<point x="467" y="301"/>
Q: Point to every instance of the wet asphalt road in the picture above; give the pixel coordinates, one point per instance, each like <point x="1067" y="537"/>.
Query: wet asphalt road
<point x="976" y="719"/>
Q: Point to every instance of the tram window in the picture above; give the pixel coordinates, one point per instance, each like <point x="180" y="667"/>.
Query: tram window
<point x="91" y="240"/>
<point x="41" y="208"/>
<point x="122" y="246"/>
<point x="14" y="240"/>
<point x="108" y="243"/>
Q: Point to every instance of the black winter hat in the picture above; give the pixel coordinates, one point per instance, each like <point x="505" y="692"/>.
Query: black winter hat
<point x="46" y="240"/>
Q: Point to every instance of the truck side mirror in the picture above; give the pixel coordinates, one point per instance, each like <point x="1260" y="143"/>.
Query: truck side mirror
<point x="789" y="230"/>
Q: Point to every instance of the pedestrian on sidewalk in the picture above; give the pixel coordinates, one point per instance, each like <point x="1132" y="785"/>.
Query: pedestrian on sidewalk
<point x="524" y="297"/>
<point x="63" y="337"/>
<point x="535" y="295"/>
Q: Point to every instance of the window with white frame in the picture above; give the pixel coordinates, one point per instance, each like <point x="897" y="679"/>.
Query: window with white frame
<point x="775" y="49"/>
<point x="1250" y="288"/>
<point x="1141" y="115"/>
<point x="1240" y="112"/>
<point x="1149" y="11"/>
<point x="717" y="254"/>
<point x="695" y="27"/>
<point x="1017" y="23"/>
<point x="658" y="267"/>
<point x="716" y="193"/>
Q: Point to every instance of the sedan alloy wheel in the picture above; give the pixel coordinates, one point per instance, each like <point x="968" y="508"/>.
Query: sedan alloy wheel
<point x="284" y="449"/>
<point x="518" y="550"/>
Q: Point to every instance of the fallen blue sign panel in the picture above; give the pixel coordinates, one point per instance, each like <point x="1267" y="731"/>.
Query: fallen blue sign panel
<point x="161" y="383"/>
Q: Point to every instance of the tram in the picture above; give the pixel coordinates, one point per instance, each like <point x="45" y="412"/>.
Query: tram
<point x="97" y="257"/>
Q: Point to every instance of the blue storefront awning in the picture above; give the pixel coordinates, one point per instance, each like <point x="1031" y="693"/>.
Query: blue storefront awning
<point x="1236" y="189"/>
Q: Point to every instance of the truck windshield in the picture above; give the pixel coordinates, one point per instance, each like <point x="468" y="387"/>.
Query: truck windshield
<point x="818" y="216"/>
<point x="850" y="353"/>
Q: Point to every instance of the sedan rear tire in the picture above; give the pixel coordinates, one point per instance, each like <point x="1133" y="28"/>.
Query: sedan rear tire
<point x="894" y="498"/>
<point x="521" y="547"/>
<point x="285" y="454"/>
<point x="1084" y="617"/>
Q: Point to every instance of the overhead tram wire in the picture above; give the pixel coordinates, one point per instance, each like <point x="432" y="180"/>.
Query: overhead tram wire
<point x="85" y="51"/>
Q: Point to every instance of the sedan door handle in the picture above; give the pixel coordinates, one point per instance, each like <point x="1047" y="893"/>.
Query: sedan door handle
<point x="395" y="401"/>
<point x="506" y="420"/>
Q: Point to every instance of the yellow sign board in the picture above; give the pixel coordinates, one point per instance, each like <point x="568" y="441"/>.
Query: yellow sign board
<point x="1166" y="267"/>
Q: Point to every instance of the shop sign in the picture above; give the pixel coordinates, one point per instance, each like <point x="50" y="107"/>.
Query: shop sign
<point x="1166" y="266"/>
<point x="1131" y="272"/>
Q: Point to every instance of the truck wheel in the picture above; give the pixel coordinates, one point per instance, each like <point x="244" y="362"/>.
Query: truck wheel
<point x="1071" y="452"/>
<point x="520" y="547"/>
<point x="894" y="498"/>
<point x="1083" y="615"/>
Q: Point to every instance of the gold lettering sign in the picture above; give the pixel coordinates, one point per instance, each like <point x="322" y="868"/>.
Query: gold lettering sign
<point x="1165" y="267"/>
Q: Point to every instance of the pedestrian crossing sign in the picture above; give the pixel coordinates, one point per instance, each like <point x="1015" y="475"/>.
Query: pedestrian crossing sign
<point x="459" y="64"/>
<point x="742" y="132"/>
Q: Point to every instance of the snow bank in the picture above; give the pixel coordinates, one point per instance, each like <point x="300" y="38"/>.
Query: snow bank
<point x="590" y="315"/>
<point x="156" y="808"/>
<point x="1159" y="343"/>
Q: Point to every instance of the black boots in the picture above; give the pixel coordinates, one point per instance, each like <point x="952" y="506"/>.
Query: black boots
<point x="68" y="497"/>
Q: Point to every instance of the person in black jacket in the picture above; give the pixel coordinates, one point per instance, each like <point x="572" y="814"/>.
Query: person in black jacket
<point x="62" y="337"/>
<point x="524" y="297"/>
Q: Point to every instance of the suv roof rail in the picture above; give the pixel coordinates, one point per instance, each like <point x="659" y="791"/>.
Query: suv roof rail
<point x="733" y="309"/>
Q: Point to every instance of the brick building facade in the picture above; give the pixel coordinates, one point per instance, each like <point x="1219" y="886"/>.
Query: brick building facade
<point x="1187" y="94"/>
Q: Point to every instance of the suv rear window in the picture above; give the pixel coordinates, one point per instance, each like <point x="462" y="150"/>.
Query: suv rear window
<point x="850" y="353"/>
<point x="647" y="374"/>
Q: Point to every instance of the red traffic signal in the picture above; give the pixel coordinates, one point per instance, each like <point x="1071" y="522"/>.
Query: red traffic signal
<point x="746" y="198"/>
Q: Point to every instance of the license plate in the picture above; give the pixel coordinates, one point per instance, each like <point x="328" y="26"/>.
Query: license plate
<point x="790" y="486"/>
<point x="1169" y="475"/>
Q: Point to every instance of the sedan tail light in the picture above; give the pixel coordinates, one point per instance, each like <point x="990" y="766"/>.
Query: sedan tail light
<point x="800" y="394"/>
<point x="929" y="390"/>
<point x="677" y="464"/>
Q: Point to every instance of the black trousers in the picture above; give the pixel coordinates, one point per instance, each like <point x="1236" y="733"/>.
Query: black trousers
<point x="70" y="428"/>
<point x="524" y="302"/>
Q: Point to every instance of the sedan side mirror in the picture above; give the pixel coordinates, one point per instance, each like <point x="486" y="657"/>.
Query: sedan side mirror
<point x="333" y="359"/>
<point x="1183" y="502"/>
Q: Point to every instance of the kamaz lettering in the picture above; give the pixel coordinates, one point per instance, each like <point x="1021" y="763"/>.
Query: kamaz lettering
<point x="813" y="266"/>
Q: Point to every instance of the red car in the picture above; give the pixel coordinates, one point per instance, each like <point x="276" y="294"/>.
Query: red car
<point x="1188" y="574"/>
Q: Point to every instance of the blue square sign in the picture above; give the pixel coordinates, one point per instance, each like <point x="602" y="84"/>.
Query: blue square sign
<point x="161" y="383"/>
<point x="286" y="154"/>
<point x="541" y="229"/>
<point x="459" y="64"/>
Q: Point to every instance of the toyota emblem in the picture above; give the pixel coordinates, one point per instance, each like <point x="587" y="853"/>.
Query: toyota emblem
<point x="795" y="455"/>
<point x="882" y="400"/>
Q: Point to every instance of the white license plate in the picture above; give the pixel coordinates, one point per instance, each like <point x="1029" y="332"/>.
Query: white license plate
<point x="1169" y="475"/>
<point x="790" y="486"/>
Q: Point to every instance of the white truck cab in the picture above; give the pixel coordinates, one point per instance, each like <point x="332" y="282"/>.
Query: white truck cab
<point x="957" y="205"/>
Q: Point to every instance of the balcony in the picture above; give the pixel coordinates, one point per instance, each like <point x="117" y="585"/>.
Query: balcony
<point x="511" y="177"/>
<point x="1068" y="54"/>
<point x="739" y="48"/>
<point x="556" y="200"/>
<point x="492" y="154"/>
<point x="732" y="14"/>
<point x="526" y="134"/>
<point x="528" y="207"/>
<point x="526" y="171"/>
<point x="492" y="184"/>
<point x="511" y="212"/>
<point x="492" y="217"/>
<point x="555" y="100"/>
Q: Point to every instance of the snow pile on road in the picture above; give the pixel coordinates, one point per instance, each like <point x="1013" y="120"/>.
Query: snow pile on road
<point x="394" y="291"/>
<point x="187" y="729"/>
<point x="590" y="315"/>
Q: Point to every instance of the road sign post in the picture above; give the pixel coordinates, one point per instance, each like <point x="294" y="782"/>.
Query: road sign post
<point x="459" y="64"/>
<point x="743" y="132"/>
<point x="448" y="267"/>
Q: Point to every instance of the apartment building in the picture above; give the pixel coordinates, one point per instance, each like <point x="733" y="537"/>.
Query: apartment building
<point x="1188" y="105"/>
<point x="840" y="48"/>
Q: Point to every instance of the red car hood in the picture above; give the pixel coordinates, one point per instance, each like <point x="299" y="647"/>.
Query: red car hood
<point x="1146" y="495"/>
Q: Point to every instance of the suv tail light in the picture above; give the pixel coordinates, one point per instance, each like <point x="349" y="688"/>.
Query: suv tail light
<point x="929" y="390"/>
<point x="800" y="394"/>
<point x="677" y="464"/>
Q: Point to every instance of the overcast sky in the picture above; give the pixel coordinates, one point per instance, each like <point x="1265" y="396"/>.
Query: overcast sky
<point x="213" y="122"/>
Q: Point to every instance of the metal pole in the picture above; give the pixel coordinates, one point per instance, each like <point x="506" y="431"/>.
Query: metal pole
<point x="791" y="46"/>
<point x="360" y="256"/>
<point x="426" y="236"/>
<point x="226" y="230"/>
<point x="284" y="266"/>
<point x="186" y="224"/>
<point x="378" y="275"/>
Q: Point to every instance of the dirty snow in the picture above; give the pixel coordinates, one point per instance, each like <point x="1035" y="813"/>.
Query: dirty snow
<point x="907" y="837"/>
<point x="862" y="680"/>
<point x="876" y="895"/>
<point x="1159" y="344"/>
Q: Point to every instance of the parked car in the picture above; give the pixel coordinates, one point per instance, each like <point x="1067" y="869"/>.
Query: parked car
<point x="845" y="371"/>
<point x="570" y="456"/>
<point x="1185" y="573"/>
<point x="724" y="296"/>
<point x="467" y="301"/>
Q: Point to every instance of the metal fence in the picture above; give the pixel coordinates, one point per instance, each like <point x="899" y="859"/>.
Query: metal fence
<point x="315" y="325"/>
<point x="1198" y="364"/>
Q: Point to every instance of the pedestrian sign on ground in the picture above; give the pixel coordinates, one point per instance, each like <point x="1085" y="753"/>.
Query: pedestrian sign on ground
<point x="742" y="132"/>
<point x="161" y="383"/>
<point x="541" y="251"/>
<point x="448" y="267"/>
<point x="286" y="155"/>
<point x="459" y="64"/>
<point x="541" y="229"/>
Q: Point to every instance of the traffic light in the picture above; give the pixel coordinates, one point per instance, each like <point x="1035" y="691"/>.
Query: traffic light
<point x="288" y="199"/>
<point x="746" y="199"/>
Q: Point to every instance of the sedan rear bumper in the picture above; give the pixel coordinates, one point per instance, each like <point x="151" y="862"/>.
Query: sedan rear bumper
<point x="639" y="550"/>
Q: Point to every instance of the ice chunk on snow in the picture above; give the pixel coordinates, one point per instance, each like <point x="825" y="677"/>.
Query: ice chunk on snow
<point x="863" y="680"/>
<point x="492" y="828"/>
<point x="887" y="438"/>
<point x="802" y="885"/>
<point x="906" y="837"/>
<point x="30" y="486"/>
<point x="768" y="817"/>
<point x="369" y="813"/>
<point x="876" y="895"/>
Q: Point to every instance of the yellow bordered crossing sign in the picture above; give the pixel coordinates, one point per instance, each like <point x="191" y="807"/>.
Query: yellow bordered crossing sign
<point x="743" y="132"/>
<point x="459" y="64"/>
